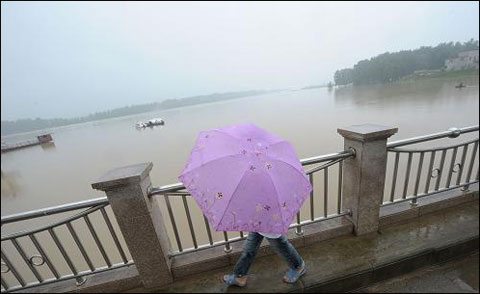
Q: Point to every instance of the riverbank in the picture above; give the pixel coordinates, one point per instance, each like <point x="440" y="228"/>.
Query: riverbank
<point x="29" y="125"/>
<point x="428" y="76"/>
<point x="435" y="74"/>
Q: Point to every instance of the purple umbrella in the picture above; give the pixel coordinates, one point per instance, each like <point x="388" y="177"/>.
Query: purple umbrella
<point x="245" y="179"/>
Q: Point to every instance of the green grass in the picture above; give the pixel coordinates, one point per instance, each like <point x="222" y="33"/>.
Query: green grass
<point x="442" y="75"/>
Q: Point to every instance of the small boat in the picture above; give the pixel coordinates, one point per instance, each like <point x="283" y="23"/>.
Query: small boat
<point x="461" y="85"/>
<point x="140" y="124"/>
<point x="150" y="123"/>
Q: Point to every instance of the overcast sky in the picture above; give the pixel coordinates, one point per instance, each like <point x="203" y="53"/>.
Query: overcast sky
<point x="74" y="58"/>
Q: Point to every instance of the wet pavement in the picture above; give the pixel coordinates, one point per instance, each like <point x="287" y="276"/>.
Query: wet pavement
<point x="350" y="262"/>
<point x="458" y="276"/>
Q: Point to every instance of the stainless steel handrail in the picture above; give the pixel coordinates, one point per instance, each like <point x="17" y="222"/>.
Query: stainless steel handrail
<point x="55" y="234"/>
<point x="451" y="133"/>
<point x="328" y="161"/>
<point x="53" y="210"/>
<point x="402" y="150"/>
<point x="327" y="157"/>
<point x="432" y="171"/>
<point x="53" y="225"/>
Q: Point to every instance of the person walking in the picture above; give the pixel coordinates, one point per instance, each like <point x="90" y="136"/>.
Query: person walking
<point x="282" y="248"/>
<point x="246" y="179"/>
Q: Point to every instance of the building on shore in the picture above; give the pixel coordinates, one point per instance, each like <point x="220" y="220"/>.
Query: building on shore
<point x="465" y="60"/>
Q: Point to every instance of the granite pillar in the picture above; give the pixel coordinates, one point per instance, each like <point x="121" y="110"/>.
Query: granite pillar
<point x="364" y="174"/>
<point x="140" y="220"/>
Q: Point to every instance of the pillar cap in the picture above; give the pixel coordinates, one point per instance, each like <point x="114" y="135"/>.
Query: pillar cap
<point x="367" y="132"/>
<point x="123" y="176"/>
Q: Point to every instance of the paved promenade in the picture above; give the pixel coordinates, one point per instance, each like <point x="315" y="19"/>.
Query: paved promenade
<point x="457" y="276"/>
<point x="348" y="263"/>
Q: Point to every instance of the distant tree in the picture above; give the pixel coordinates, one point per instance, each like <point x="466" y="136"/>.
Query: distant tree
<point x="389" y="67"/>
<point x="343" y="76"/>
<point x="25" y="125"/>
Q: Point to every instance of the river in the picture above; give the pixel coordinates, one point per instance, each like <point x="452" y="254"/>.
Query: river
<point x="37" y="177"/>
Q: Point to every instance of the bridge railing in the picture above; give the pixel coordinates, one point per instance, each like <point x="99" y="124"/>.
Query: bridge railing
<point x="316" y="166"/>
<point x="421" y="172"/>
<point x="85" y="242"/>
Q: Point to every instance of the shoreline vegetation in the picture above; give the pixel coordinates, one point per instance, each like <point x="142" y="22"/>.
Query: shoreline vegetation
<point x="29" y="125"/>
<point x="435" y="74"/>
<point x="391" y="67"/>
<point x="425" y="76"/>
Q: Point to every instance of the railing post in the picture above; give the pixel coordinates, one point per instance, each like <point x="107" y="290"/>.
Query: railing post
<point x="364" y="174"/>
<point x="140" y="221"/>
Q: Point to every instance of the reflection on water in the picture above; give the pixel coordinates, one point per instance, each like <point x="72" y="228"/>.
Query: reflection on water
<point x="49" y="146"/>
<point x="149" y="128"/>
<point x="10" y="186"/>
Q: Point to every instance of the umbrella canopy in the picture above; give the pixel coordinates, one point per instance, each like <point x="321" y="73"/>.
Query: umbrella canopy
<point x="245" y="179"/>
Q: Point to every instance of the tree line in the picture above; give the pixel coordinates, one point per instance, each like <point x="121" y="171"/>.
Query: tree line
<point x="26" y="125"/>
<point x="389" y="67"/>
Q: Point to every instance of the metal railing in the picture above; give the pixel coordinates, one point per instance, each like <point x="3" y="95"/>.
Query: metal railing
<point x="177" y="191"/>
<point x="434" y="167"/>
<point x="70" y="248"/>
<point x="75" y="246"/>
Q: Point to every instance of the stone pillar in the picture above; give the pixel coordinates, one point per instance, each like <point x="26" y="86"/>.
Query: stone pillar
<point x="364" y="174"/>
<point x="140" y="221"/>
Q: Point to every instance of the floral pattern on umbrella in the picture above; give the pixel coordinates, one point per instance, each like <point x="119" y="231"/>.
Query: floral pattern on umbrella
<point x="245" y="179"/>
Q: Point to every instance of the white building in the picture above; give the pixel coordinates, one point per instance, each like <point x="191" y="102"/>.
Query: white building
<point x="465" y="60"/>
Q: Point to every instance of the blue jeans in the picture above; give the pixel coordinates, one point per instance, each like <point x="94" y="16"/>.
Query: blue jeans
<point x="281" y="246"/>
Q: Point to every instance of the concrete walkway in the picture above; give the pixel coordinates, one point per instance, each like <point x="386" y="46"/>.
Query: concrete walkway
<point x="458" y="276"/>
<point x="348" y="263"/>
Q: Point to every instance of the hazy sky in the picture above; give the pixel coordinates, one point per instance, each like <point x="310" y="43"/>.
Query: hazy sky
<point x="73" y="58"/>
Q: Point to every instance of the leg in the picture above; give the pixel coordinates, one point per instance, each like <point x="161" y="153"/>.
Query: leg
<point x="285" y="250"/>
<point x="239" y="276"/>
<point x="248" y="254"/>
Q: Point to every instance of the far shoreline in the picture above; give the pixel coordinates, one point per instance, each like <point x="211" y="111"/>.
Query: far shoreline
<point x="52" y="129"/>
<point x="413" y="78"/>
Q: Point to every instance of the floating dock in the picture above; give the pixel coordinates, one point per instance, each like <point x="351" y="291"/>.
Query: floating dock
<point x="42" y="139"/>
